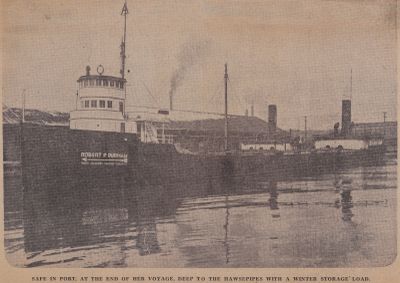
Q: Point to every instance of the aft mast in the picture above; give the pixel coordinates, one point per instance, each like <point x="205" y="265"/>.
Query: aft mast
<point x="124" y="12"/>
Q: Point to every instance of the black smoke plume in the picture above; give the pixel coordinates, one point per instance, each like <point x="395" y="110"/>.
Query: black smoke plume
<point x="190" y="54"/>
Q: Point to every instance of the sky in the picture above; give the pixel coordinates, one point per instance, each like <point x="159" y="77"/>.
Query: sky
<point x="305" y="56"/>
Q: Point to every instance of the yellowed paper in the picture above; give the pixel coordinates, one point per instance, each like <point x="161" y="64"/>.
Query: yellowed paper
<point x="199" y="141"/>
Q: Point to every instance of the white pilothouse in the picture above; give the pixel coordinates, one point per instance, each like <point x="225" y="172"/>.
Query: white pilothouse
<point x="101" y="107"/>
<point x="101" y="100"/>
<point x="101" y="104"/>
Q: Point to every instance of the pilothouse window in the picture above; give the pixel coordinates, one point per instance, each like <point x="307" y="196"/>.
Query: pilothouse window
<point x="102" y="104"/>
<point x="93" y="103"/>
<point x="86" y="103"/>
<point x="109" y="104"/>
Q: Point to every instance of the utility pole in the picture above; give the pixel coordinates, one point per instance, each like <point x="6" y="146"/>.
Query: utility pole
<point x="226" y="107"/>
<point x="23" y="106"/>
<point x="384" y="125"/>
<point x="305" y="128"/>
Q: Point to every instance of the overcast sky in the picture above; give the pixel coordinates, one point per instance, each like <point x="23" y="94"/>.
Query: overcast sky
<point x="296" y="54"/>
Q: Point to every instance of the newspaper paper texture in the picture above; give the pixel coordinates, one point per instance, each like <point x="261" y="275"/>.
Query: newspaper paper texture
<point x="199" y="141"/>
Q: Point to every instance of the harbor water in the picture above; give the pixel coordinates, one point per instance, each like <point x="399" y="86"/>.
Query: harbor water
<point x="339" y="219"/>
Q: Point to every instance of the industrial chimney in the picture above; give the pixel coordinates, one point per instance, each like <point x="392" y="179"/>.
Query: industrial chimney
<point x="346" y="116"/>
<point x="272" y="117"/>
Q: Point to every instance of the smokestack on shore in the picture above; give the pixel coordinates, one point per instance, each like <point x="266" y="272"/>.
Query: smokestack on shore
<point x="272" y="117"/>
<point x="346" y="116"/>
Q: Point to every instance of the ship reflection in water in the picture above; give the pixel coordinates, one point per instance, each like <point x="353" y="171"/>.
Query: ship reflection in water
<point x="342" y="219"/>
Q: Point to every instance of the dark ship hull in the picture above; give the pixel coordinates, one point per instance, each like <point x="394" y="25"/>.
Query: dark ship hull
<point x="160" y="163"/>
<point x="61" y="163"/>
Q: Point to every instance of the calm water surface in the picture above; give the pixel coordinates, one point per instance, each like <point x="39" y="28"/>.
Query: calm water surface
<point x="334" y="220"/>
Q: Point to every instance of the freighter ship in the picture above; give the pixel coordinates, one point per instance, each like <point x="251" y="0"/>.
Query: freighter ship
<point x="104" y="151"/>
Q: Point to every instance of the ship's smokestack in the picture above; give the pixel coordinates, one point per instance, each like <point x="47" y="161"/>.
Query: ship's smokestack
<point x="346" y="116"/>
<point x="252" y="110"/>
<point x="88" y="70"/>
<point x="272" y="117"/>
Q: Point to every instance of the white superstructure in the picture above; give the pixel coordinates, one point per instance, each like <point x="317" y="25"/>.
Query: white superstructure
<point x="100" y="100"/>
<point x="100" y="104"/>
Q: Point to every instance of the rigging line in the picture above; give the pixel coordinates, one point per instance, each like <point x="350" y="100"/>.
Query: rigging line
<point x="149" y="92"/>
<point x="142" y="106"/>
<point x="205" y="112"/>
<point x="238" y="100"/>
<point x="235" y="95"/>
<point x="181" y="110"/>
<point x="324" y="115"/>
<point x="214" y="96"/>
<point x="199" y="112"/>
<point x="243" y="105"/>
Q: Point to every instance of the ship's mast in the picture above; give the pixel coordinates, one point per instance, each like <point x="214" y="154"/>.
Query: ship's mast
<point x="124" y="12"/>
<point x="226" y="107"/>
<point x="123" y="56"/>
